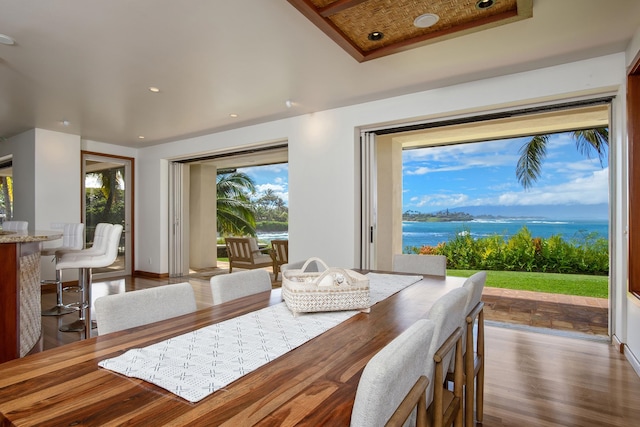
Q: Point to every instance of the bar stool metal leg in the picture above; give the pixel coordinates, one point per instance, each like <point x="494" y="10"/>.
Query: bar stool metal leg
<point x="79" y="325"/>
<point x="59" y="309"/>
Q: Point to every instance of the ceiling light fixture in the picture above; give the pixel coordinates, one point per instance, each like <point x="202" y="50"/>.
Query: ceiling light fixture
<point x="426" y="20"/>
<point x="233" y="115"/>
<point x="288" y="103"/>
<point x="374" y="36"/>
<point x="484" y="4"/>
<point x="153" y="89"/>
<point x="140" y="136"/>
<point x="65" y="123"/>
<point x="4" y="39"/>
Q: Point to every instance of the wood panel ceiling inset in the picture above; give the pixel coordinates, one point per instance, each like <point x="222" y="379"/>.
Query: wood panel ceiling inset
<point x="349" y="22"/>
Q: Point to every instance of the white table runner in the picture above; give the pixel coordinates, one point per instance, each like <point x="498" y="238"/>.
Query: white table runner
<point x="200" y="362"/>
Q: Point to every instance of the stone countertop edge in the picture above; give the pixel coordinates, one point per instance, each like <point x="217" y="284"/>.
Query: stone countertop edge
<point x="29" y="236"/>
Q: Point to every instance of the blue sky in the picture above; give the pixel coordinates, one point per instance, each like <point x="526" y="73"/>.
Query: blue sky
<point x="273" y="177"/>
<point x="483" y="174"/>
<point x="480" y="174"/>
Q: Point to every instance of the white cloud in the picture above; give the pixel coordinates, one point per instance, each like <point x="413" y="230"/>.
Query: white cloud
<point x="279" y="190"/>
<point x="584" y="190"/>
<point x="439" y="201"/>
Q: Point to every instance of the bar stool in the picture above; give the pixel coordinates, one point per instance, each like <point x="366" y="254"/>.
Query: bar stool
<point x="15" y="225"/>
<point x="72" y="240"/>
<point x="85" y="260"/>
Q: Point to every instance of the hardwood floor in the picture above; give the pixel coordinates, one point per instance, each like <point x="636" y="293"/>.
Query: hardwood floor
<point x="532" y="379"/>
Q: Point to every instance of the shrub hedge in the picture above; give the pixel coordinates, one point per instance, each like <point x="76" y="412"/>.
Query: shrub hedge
<point x="586" y="253"/>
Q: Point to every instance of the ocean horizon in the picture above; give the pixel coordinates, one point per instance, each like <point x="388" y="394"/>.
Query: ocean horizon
<point x="416" y="233"/>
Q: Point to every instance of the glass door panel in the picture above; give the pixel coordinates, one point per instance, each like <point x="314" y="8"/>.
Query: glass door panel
<point x="107" y="198"/>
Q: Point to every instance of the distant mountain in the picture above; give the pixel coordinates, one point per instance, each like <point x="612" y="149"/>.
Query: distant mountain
<point x="599" y="211"/>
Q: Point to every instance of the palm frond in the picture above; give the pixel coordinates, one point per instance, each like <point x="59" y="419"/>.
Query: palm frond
<point x="590" y="140"/>
<point x="532" y="155"/>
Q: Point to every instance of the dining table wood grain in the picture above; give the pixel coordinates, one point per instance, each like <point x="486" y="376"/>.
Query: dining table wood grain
<point x="314" y="384"/>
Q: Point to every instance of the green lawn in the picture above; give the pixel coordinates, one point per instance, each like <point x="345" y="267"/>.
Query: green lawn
<point x="567" y="284"/>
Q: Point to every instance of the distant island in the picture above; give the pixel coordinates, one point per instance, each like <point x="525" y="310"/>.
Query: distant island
<point x="441" y="216"/>
<point x="449" y="216"/>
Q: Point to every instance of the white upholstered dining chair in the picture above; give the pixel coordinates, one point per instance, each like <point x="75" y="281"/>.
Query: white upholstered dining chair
<point x="434" y="265"/>
<point x="227" y="287"/>
<point x="123" y="311"/>
<point x="473" y="349"/>
<point x="393" y="381"/>
<point x="447" y="313"/>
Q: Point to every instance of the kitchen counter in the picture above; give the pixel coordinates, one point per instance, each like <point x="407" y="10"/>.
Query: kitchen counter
<point x="20" y="320"/>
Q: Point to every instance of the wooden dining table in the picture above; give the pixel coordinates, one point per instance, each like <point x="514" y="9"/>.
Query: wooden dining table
<point x="314" y="384"/>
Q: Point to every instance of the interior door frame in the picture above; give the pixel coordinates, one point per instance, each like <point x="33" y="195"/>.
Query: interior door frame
<point x="129" y="226"/>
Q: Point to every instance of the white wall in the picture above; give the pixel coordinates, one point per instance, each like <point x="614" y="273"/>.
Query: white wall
<point x="46" y="171"/>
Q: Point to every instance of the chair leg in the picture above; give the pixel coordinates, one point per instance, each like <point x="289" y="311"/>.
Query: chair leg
<point x="480" y="392"/>
<point x="59" y="309"/>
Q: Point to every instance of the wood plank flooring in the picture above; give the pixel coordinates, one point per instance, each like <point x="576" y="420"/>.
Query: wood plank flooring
<point x="532" y="379"/>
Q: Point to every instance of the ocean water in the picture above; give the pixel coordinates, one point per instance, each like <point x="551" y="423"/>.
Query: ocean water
<point x="432" y="233"/>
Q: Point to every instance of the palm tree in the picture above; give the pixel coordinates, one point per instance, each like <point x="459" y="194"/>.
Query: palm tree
<point x="236" y="214"/>
<point x="533" y="153"/>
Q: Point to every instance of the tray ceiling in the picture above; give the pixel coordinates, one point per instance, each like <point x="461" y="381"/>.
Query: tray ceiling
<point x="369" y="29"/>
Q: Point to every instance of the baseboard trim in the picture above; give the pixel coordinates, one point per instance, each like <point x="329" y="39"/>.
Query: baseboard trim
<point x="141" y="273"/>
<point x="616" y="341"/>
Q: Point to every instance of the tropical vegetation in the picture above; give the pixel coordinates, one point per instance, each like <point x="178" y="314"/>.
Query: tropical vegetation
<point x="235" y="212"/>
<point x="587" y="253"/>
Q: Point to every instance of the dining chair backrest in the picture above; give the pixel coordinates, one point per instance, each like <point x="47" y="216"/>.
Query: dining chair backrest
<point x="475" y="285"/>
<point x="434" y="265"/>
<point x="227" y="287"/>
<point x="130" y="309"/>
<point x="390" y="376"/>
<point x="15" y="225"/>
<point x="473" y="348"/>
<point x="446" y="314"/>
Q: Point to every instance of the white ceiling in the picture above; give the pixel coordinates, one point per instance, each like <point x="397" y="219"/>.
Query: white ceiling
<point x="91" y="61"/>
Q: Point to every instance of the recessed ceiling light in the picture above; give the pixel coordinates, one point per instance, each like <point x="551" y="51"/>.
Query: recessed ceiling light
<point x="140" y="136"/>
<point x="484" y="4"/>
<point x="4" y="39"/>
<point x="426" y="20"/>
<point x="154" y="89"/>
<point x="288" y="103"/>
<point x="374" y="36"/>
<point x="233" y="115"/>
<point x="65" y="123"/>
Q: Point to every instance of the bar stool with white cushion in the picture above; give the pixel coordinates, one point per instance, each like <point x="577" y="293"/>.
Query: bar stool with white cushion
<point x="130" y="309"/>
<point x="72" y="240"/>
<point x="15" y="225"/>
<point x="85" y="260"/>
